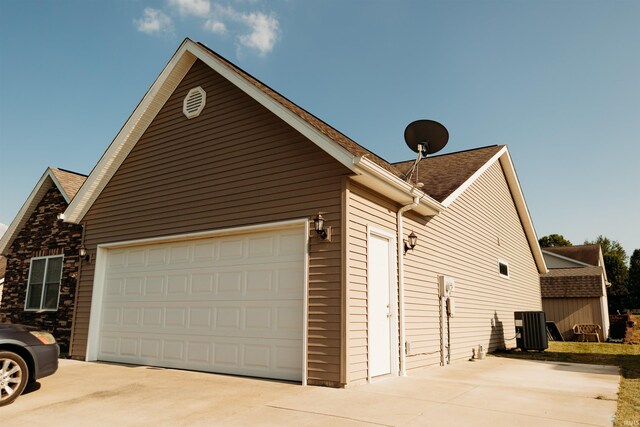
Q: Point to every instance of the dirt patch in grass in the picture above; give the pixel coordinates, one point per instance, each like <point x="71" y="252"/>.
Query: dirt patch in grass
<point x="626" y="356"/>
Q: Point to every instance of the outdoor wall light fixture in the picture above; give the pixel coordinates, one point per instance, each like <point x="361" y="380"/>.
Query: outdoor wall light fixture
<point x="84" y="254"/>
<point x="410" y="243"/>
<point x="321" y="230"/>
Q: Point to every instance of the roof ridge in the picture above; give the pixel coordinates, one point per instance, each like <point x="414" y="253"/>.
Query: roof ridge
<point x="449" y="154"/>
<point x="69" y="171"/>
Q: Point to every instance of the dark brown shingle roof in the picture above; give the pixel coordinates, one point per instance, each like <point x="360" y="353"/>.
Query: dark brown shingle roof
<point x="578" y="282"/>
<point x="70" y="181"/>
<point x="442" y="175"/>
<point x="589" y="254"/>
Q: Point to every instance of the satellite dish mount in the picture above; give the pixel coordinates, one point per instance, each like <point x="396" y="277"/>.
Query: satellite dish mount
<point x="424" y="137"/>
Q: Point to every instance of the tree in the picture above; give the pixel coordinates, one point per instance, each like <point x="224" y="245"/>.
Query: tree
<point x="615" y="263"/>
<point x="553" y="240"/>
<point x="634" y="279"/>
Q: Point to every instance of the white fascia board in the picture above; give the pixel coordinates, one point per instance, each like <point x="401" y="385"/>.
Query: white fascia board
<point x="453" y="196"/>
<point x="130" y="133"/>
<point x="601" y="264"/>
<point x="384" y="182"/>
<point x="44" y="184"/>
<point x="564" y="258"/>
<point x="523" y="211"/>
<point x="321" y="140"/>
<point x="155" y="98"/>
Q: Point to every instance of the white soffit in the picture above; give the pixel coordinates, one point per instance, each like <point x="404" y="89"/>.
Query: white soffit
<point x="523" y="211"/>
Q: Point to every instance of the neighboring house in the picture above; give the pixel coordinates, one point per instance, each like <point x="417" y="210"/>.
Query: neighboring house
<point x="42" y="258"/>
<point x="3" y="268"/>
<point x="574" y="291"/>
<point x="200" y="219"/>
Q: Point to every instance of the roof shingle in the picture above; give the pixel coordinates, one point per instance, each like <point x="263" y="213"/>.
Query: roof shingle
<point x="443" y="174"/>
<point x="70" y="181"/>
<point x="589" y="254"/>
<point x="572" y="283"/>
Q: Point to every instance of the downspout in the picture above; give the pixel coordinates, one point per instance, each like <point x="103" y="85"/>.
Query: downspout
<point x="400" y="226"/>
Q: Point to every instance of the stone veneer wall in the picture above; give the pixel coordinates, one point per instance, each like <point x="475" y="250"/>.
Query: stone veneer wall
<point x="43" y="234"/>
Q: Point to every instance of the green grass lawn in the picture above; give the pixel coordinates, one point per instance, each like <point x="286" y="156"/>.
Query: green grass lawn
<point x="626" y="356"/>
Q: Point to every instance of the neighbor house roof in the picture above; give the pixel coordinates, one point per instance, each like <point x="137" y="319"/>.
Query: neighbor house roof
<point x="572" y="282"/>
<point x="589" y="254"/>
<point x="368" y="169"/>
<point x="3" y="267"/>
<point x="67" y="182"/>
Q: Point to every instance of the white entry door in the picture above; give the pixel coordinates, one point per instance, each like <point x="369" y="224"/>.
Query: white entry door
<point x="231" y="304"/>
<point x="380" y="305"/>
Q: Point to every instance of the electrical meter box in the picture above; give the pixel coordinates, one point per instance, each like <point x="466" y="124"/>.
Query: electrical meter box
<point x="446" y="285"/>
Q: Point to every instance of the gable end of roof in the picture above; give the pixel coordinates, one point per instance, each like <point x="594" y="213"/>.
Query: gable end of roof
<point x="341" y="148"/>
<point x="66" y="182"/>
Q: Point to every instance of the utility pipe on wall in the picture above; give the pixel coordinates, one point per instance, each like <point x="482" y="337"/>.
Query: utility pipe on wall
<point x="400" y="227"/>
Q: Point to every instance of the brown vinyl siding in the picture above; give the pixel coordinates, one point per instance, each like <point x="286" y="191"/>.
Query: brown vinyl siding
<point x="364" y="208"/>
<point x="465" y="242"/>
<point x="461" y="242"/>
<point x="236" y="164"/>
<point x="566" y="312"/>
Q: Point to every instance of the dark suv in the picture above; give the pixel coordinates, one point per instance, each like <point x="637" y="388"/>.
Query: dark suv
<point x="26" y="355"/>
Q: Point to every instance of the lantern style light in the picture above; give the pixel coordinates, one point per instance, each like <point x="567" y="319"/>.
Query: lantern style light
<point x="323" y="232"/>
<point x="411" y="242"/>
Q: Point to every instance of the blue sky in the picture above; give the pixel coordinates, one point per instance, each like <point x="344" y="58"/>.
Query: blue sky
<point x="557" y="81"/>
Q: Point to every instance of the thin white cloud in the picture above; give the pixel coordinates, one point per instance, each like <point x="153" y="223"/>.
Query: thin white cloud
<point x="261" y="31"/>
<point x="264" y="32"/>
<point x="256" y="31"/>
<point x="215" y="26"/>
<point x="154" y="21"/>
<point x="192" y="7"/>
<point x="3" y="228"/>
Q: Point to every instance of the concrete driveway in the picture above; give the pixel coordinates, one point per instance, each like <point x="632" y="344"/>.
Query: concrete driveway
<point x="492" y="392"/>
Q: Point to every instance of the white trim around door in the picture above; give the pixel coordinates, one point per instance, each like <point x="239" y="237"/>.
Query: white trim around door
<point x="382" y="304"/>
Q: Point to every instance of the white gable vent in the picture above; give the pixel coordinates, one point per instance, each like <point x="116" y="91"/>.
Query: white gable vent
<point x="194" y="102"/>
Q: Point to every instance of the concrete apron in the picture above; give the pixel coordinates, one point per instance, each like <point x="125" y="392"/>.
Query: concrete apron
<point x="491" y="392"/>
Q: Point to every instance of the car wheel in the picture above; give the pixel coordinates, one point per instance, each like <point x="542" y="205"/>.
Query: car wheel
<point x="14" y="375"/>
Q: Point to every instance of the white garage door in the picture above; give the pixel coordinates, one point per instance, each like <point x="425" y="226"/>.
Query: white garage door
<point x="230" y="304"/>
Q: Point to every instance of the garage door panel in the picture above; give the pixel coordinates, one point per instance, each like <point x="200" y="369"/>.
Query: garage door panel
<point x="233" y="252"/>
<point x="184" y="285"/>
<point x="232" y="304"/>
<point x="226" y="355"/>
<point x="249" y="319"/>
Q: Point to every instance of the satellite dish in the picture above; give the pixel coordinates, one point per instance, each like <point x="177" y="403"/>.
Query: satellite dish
<point x="426" y="136"/>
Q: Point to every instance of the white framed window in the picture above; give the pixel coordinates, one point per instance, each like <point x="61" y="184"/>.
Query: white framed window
<point x="43" y="289"/>
<point x="503" y="268"/>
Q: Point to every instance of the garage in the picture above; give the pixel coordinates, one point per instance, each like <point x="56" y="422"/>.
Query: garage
<point x="230" y="303"/>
